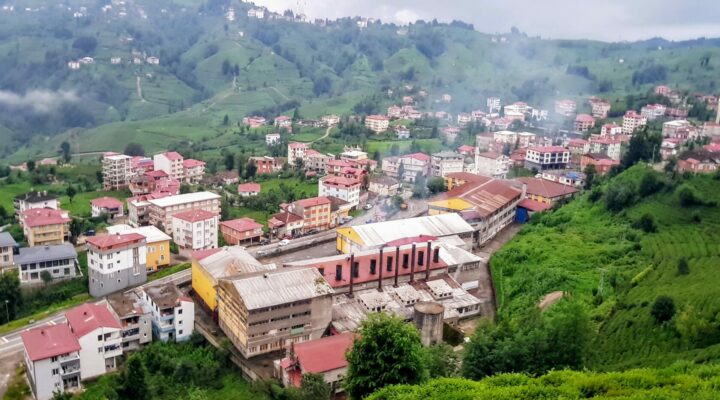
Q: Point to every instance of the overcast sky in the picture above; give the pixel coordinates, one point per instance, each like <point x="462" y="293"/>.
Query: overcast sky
<point x="609" y="20"/>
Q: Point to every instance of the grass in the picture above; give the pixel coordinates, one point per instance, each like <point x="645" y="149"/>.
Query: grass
<point x="18" y="388"/>
<point x="80" y="205"/>
<point x="168" y="271"/>
<point x="259" y="216"/>
<point x="46" y="312"/>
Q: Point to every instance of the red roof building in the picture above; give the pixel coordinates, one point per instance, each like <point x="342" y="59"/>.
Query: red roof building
<point x="86" y="318"/>
<point x="324" y="356"/>
<point x="108" y="242"/>
<point x="49" y="341"/>
<point x="241" y="230"/>
<point x="194" y="215"/>
<point x="466" y="150"/>
<point x="249" y="189"/>
<point x="545" y="191"/>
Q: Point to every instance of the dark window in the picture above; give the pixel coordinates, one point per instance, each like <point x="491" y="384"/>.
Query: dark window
<point x="373" y="266"/>
<point x="389" y="264"/>
<point x="338" y="272"/>
<point x="356" y="269"/>
<point x="436" y="255"/>
<point x="421" y="257"/>
<point x="321" y="271"/>
<point x="406" y="258"/>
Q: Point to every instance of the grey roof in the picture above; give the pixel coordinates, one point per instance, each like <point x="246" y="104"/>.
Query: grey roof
<point x="232" y="260"/>
<point x="45" y="253"/>
<point x="441" y="225"/>
<point x="35" y="197"/>
<point x="447" y="154"/>
<point x="7" y="240"/>
<point x="265" y="289"/>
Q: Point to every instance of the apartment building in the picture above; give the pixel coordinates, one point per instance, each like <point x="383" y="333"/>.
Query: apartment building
<point x="172" y="313"/>
<point x="52" y="360"/>
<point x="600" y="108"/>
<point x="410" y="166"/>
<point x="116" y="171"/>
<point x="109" y="206"/>
<point x="493" y="104"/>
<point x="583" y="122"/>
<point x="679" y="129"/>
<point x="195" y="230"/>
<point x="267" y="164"/>
<point x="384" y="186"/>
<point x="347" y="189"/>
<point x="547" y="157"/>
<point x="296" y="150"/>
<point x="565" y="108"/>
<point x="33" y="200"/>
<point x="377" y="123"/>
<point x="116" y="262"/>
<point x="171" y="163"/>
<point x="316" y="161"/>
<point x="7" y="250"/>
<point x="314" y="213"/>
<point x="241" y="230"/>
<point x="446" y="162"/>
<point x="157" y="241"/>
<point x="265" y="311"/>
<point x="330" y="120"/>
<point x="611" y="130"/>
<point x="193" y="170"/>
<point x="492" y="164"/>
<point x="653" y="111"/>
<point x="45" y="226"/>
<point x="162" y="210"/>
<point x="60" y="261"/>
<point x="606" y="145"/>
<point x="135" y="323"/>
<point x="99" y="335"/>
<point x="632" y="121"/>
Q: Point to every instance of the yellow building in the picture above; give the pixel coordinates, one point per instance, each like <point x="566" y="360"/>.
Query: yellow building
<point x="453" y="205"/>
<point x="227" y="261"/>
<point x="45" y="226"/>
<point x="158" y="243"/>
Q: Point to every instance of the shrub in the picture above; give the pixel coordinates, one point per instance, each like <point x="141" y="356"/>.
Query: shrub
<point x="683" y="267"/>
<point x="619" y="196"/>
<point x="663" y="309"/>
<point x="649" y="184"/>
<point x="646" y="223"/>
<point x="688" y="197"/>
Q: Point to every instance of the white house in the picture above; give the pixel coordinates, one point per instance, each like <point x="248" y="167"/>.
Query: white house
<point x="347" y="189"/>
<point x="173" y="314"/>
<point x="33" y="200"/>
<point x="272" y="138"/>
<point x="446" y="162"/>
<point x="495" y="165"/>
<point x="52" y="359"/>
<point x="172" y="163"/>
<point x="195" y="229"/>
<point x="106" y="206"/>
<point x="98" y="333"/>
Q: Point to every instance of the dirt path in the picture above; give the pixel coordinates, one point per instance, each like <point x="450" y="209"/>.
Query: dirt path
<point x="139" y="89"/>
<point x="327" y="133"/>
<point x="281" y="94"/>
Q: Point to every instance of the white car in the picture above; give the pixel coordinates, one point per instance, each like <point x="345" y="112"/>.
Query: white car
<point x="284" y="242"/>
<point x="368" y="206"/>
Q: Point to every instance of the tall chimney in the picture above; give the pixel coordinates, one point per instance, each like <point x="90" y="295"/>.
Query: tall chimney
<point x="428" y="263"/>
<point x="412" y="264"/>
<point x="397" y="264"/>
<point x="352" y="273"/>
<point x="380" y="268"/>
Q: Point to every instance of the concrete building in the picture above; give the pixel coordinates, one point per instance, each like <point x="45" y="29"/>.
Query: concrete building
<point x="7" y="250"/>
<point x="195" y="230"/>
<point x="325" y="356"/>
<point x="266" y="164"/>
<point x="600" y="108"/>
<point x="296" y="150"/>
<point x="606" y="145"/>
<point x="492" y="164"/>
<point x="33" y="200"/>
<point x="116" y="262"/>
<point x="193" y="171"/>
<point x="52" y="359"/>
<point x="241" y="231"/>
<point x="565" y="108"/>
<point x="314" y="212"/>
<point x="45" y="226"/>
<point x="109" y="206"/>
<point x="547" y="157"/>
<point x="265" y="311"/>
<point x="611" y="130"/>
<point x="249" y="189"/>
<point x="60" y="261"/>
<point x="493" y="104"/>
<point x="632" y="121"/>
<point x="583" y="122"/>
<point x="347" y="189"/>
<point x="653" y="111"/>
<point x="377" y="123"/>
<point x="603" y="164"/>
<point x="172" y="313"/>
<point x="135" y="323"/>
<point x="428" y="318"/>
<point x="446" y="162"/>
<point x="545" y="191"/>
<point x="384" y="186"/>
<point x="116" y="171"/>
<point x="679" y="129"/>
<point x="411" y="166"/>
<point x="99" y="335"/>
<point x="162" y="210"/>
<point x="157" y="241"/>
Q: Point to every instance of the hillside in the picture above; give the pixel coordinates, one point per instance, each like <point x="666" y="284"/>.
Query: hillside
<point x="678" y="382"/>
<point x="618" y="270"/>
<point x="211" y="67"/>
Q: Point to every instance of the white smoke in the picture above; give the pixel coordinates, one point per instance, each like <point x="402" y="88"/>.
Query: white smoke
<point x="41" y="101"/>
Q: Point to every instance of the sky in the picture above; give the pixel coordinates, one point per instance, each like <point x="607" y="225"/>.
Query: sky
<point x="607" y="20"/>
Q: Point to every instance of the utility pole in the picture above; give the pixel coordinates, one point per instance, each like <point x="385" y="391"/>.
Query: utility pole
<point x="7" y="311"/>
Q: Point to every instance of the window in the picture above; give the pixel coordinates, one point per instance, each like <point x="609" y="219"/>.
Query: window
<point x="406" y="259"/>
<point x="421" y="257"/>
<point x="373" y="266"/>
<point x="100" y="350"/>
<point x="180" y="311"/>
<point x="53" y="359"/>
<point x="55" y="371"/>
<point x="180" y="332"/>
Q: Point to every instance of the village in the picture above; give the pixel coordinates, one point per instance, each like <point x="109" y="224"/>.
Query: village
<point x="406" y="234"/>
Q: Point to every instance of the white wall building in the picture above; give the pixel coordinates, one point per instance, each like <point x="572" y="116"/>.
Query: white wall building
<point x="173" y="314"/>
<point x="172" y="163"/>
<point x="446" y="162"/>
<point x="347" y="189"/>
<point x="195" y="229"/>
<point x="116" y="171"/>
<point x="495" y="165"/>
<point x="98" y="333"/>
<point x="52" y="359"/>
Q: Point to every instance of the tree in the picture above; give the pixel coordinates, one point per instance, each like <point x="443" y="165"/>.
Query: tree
<point x="99" y="176"/>
<point x="682" y="267"/>
<point x="442" y="361"/>
<point x="10" y="292"/>
<point x="250" y="170"/>
<point x="644" y="146"/>
<point x="76" y="228"/>
<point x="31" y="165"/>
<point x="590" y="173"/>
<point x="401" y="172"/>
<point x="619" y="195"/>
<point x="226" y="120"/>
<point x="46" y="277"/>
<point x="70" y="191"/>
<point x="646" y="223"/>
<point x="134" y="384"/>
<point x="688" y="197"/>
<point x="663" y="309"/>
<point x="224" y="209"/>
<point x="420" y="189"/>
<point x="649" y="184"/>
<point x="65" y="149"/>
<point x="670" y="165"/>
<point x="134" y="149"/>
<point x="397" y="201"/>
<point x="314" y="387"/>
<point x="387" y="352"/>
<point x="229" y="162"/>
<point x="436" y="184"/>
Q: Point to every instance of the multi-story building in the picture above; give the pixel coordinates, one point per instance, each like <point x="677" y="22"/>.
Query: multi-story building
<point x="603" y="164"/>
<point x="377" y="123"/>
<point x="7" y="251"/>
<point x="172" y="313"/>
<point x="135" y="323"/>
<point x="565" y="108"/>
<point x="316" y="161"/>
<point x="679" y="129"/>
<point x="296" y="150"/>
<point x="157" y="241"/>
<point x="193" y="170"/>
<point x="315" y="213"/>
<point x="544" y="191"/>
<point x="265" y="311"/>
<point x="394" y="111"/>
<point x="52" y="360"/>
<point x="547" y="157"/>
<point x="330" y="120"/>
<point x="272" y="139"/>
<point x="525" y="139"/>
<point x="653" y="111"/>
<point x="411" y="166"/>
<point x="446" y="162"/>
<point x="60" y="262"/>
<point x="32" y="200"/>
<point x="116" y="262"/>
<point x="171" y="163"/>
<point x="699" y="161"/>
<point x="195" y="230"/>
<point x="492" y="164"/>
<point x="116" y="171"/>
<point x="384" y="186"/>
<point x="493" y="104"/>
<point x="266" y="164"/>
<point x="600" y="108"/>
<point x="633" y="121"/>
<point x="283" y="121"/>
<point x="161" y="210"/>
<point x="347" y="189"/>
<point x="611" y="130"/>
<point x="99" y="335"/>
<point x="109" y="206"/>
<point x="583" y="122"/>
<point x="241" y="230"/>
<point x="45" y="226"/>
<point x="606" y="145"/>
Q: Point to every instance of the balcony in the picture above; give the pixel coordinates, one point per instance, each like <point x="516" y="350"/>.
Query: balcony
<point x="69" y="358"/>
<point x="128" y="333"/>
<point x="113" y="350"/>
<point x="71" y="369"/>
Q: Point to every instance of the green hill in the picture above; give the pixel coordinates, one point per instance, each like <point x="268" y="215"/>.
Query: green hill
<point x="618" y="270"/>
<point x="210" y="67"/>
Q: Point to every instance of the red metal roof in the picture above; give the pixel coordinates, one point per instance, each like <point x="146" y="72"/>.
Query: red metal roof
<point x="200" y="254"/>
<point x="88" y="317"/>
<point x="418" y="156"/>
<point x="468" y="177"/>
<point x="190" y="163"/>
<point x="112" y="241"/>
<point x="533" y="205"/>
<point x="242" y="224"/>
<point x="173" y="155"/>
<point x="323" y="355"/>
<point x="585" y="118"/>
<point x="313" y="202"/>
<point x="548" y="149"/>
<point x="106" y="202"/>
<point x="43" y="217"/>
<point x="158" y="173"/>
<point x="49" y="341"/>
<point x="249" y="188"/>
<point x="194" y="215"/>
<point x="298" y="145"/>
<point x="340" y="181"/>
<point x="545" y="188"/>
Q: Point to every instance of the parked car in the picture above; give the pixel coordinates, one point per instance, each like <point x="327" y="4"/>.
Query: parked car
<point x="368" y="206"/>
<point x="284" y="242"/>
<point x="264" y="242"/>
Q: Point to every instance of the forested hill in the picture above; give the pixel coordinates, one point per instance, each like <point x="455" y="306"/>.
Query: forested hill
<point x="211" y="64"/>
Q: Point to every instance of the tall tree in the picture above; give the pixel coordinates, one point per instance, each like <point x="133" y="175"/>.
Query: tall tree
<point x="229" y="162"/>
<point x="134" y="380"/>
<point x="65" y="149"/>
<point x="10" y="295"/>
<point x="387" y="352"/>
<point x="250" y="170"/>
<point x="31" y="165"/>
<point x="70" y="191"/>
<point x="134" y="149"/>
<point x="314" y="387"/>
